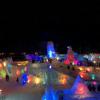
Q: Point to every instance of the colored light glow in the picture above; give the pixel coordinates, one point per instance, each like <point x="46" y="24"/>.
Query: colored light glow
<point x="5" y="63"/>
<point x="82" y="74"/>
<point x="94" y="62"/>
<point x="50" y="66"/>
<point x="57" y="58"/>
<point x="25" y="69"/>
<point x="22" y="71"/>
<point x="50" y="54"/>
<point x="1" y="66"/>
<point x="3" y="73"/>
<point x="81" y="69"/>
<point x="63" y="81"/>
<point x="50" y="50"/>
<point x="24" y="79"/>
<point x="66" y="62"/>
<point x="29" y="79"/>
<point x="0" y="91"/>
<point x="81" y="89"/>
<point x="88" y="69"/>
<point x="94" y="82"/>
<point x="93" y="76"/>
<point x="73" y="63"/>
<point x="18" y="72"/>
<point x="50" y="94"/>
<point x="37" y="80"/>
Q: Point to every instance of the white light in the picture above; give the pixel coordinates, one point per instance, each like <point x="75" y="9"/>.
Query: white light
<point x="94" y="62"/>
<point x="57" y="58"/>
<point x="0" y="91"/>
<point x="73" y="63"/>
<point x="50" y="66"/>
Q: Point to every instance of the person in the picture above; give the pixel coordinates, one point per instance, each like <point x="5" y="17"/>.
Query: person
<point x="17" y="80"/>
<point x="68" y="67"/>
<point x="61" y="97"/>
<point x="7" y="78"/>
<point x="98" y="87"/>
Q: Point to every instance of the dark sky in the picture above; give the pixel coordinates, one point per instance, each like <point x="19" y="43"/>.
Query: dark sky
<point x="78" y="27"/>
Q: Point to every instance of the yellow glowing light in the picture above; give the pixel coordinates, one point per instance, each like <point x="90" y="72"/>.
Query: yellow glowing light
<point x="37" y="80"/>
<point x="20" y="63"/>
<point x="81" y="69"/>
<point x="5" y="63"/>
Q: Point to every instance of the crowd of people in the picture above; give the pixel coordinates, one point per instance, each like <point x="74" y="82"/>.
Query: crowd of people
<point x="94" y="88"/>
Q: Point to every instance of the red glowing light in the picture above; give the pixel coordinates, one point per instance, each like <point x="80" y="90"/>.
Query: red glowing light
<point x="82" y="89"/>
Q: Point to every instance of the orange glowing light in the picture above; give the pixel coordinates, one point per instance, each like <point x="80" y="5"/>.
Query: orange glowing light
<point x="0" y="65"/>
<point x="63" y="79"/>
<point x="30" y="79"/>
<point x="17" y="72"/>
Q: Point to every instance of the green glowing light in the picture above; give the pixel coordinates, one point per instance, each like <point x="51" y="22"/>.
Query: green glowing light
<point x="22" y="71"/>
<point x="3" y="73"/>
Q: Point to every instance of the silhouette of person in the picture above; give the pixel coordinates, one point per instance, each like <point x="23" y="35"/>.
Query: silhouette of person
<point x="7" y="78"/>
<point x="17" y="80"/>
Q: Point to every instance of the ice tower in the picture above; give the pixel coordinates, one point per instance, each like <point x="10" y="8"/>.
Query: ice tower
<point x="70" y="59"/>
<point x="50" y="50"/>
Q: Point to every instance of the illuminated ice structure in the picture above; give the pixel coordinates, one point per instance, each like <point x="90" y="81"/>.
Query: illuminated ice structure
<point x="50" y="94"/>
<point x="79" y="89"/>
<point x="70" y="59"/>
<point x="50" y="50"/>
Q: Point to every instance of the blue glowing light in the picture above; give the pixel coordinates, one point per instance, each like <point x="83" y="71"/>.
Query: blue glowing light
<point x="50" y="94"/>
<point x="24" y="79"/>
<point x="50" y="50"/>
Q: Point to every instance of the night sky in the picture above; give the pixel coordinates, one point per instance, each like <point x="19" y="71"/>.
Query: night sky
<point x="78" y="27"/>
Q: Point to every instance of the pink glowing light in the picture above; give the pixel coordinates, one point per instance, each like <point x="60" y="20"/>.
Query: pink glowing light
<point x="94" y="82"/>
